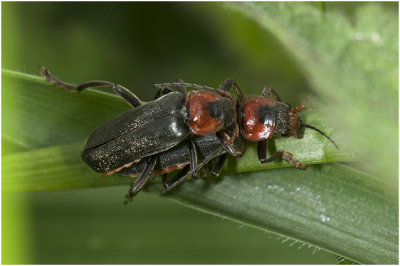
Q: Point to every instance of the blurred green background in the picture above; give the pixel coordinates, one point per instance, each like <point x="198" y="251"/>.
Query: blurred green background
<point x="137" y="45"/>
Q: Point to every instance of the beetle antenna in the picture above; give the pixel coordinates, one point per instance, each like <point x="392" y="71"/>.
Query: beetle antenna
<point x="322" y="133"/>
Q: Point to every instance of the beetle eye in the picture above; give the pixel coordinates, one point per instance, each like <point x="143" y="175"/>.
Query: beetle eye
<point x="206" y="113"/>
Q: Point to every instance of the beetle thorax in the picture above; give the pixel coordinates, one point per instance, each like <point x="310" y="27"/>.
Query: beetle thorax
<point x="257" y="116"/>
<point x="205" y="112"/>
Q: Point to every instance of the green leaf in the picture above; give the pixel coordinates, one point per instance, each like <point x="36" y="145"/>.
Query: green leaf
<point x="330" y="206"/>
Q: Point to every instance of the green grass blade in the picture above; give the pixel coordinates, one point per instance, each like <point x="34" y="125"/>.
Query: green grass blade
<point x="330" y="206"/>
<point x="58" y="167"/>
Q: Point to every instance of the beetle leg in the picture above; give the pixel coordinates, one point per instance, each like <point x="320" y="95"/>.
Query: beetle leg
<point x="287" y="156"/>
<point x="207" y="170"/>
<point x="126" y="94"/>
<point x="218" y="166"/>
<point x="228" y="84"/>
<point x="176" y="179"/>
<point x="142" y="180"/>
<point x="181" y="88"/>
<point x="52" y="79"/>
<point x="193" y="157"/>
<point x="267" y="92"/>
<point x="215" y="153"/>
<point x="234" y="151"/>
<point x="230" y="146"/>
<point x="164" y="178"/>
<point x="302" y="106"/>
<point x="243" y="147"/>
<point x="262" y="150"/>
<point x="190" y="85"/>
<point x="162" y="91"/>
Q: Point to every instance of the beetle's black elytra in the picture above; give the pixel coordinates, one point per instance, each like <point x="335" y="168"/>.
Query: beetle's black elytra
<point x="136" y="134"/>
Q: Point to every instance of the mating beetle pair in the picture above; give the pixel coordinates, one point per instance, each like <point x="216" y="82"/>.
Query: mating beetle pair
<point x="176" y="129"/>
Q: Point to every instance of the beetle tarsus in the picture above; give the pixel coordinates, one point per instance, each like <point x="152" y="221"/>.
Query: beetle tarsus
<point x="228" y="84"/>
<point x="178" y="178"/>
<point x="181" y="88"/>
<point x="127" y="199"/>
<point x="59" y="83"/>
<point x="218" y="166"/>
<point x="287" y="156"/>
<point x="162" y="91"/>
<point x="126" y="94"/>
<point x="302" y="106"/>
<point x="267" y="92"/>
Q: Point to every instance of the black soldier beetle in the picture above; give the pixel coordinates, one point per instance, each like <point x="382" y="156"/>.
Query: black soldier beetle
<point x="147" y="130"/>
